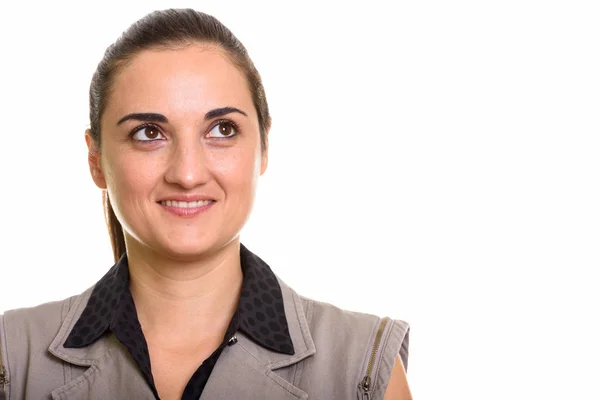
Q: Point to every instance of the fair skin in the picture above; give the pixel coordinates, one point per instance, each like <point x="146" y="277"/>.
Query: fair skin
<point x="398" y="385"/>
<point x="184" y="269"/>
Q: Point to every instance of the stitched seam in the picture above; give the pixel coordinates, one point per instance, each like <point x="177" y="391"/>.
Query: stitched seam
<point x="310" y="307"/>
<point x="305" y="335"/>
<point x="84" y="377"/>
<point x="251" y="355"/>
<point x="299" y="367"/>
<point x="268" y="366"/>
<point x="67" y="322"/>
<point x="294" y="370"/>
<point x="79" y="380"/>
<point x="271" y="375"/>
<point x="383" y="347"/>
<point x="4" y="345"/>
<point x="370" y="342"/>
<point x="66" y="366"/>
<point x="405" y="339"/>
<point x="303" y="327"/>
<point x="268" y="373"/>
<point x="55" y="345"/>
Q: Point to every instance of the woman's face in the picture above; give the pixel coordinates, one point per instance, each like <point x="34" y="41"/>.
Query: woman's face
<point x="172" y="131"/>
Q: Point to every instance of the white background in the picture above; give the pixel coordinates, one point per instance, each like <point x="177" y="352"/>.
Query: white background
<point x="433" y="161"/>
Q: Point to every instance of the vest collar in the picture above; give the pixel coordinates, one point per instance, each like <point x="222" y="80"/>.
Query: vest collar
<point x="244" y="365"/>
<point x="111" y="308"/>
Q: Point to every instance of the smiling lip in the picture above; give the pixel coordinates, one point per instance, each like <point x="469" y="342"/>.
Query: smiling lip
<point x="191" y="209"/>
<point x="185" y="197"/>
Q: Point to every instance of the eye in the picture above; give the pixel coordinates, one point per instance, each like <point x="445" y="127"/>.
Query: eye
<point x="151" y="132"/>
<point x="224" y="130"/>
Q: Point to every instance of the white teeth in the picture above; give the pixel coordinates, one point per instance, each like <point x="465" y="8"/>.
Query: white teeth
<point x="185" y="204"/>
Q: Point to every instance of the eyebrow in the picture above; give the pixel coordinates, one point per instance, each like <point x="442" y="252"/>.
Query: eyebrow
<point x="217" y="112"/>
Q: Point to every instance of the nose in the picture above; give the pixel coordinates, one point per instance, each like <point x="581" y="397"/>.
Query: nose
<point x="188" y="164"/>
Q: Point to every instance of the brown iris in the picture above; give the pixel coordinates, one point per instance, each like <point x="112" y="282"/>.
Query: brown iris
<point x="225" y="129"/>
<point x="151" y="132"/>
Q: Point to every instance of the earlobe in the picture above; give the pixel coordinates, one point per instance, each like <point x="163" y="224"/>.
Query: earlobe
<point x="94" y="160"/>
<point x="264" y="162"/>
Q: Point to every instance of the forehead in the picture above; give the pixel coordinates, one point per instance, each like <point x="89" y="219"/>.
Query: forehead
<point x="179" y="82"/>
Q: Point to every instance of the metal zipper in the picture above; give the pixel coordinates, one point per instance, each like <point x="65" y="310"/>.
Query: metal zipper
<point x="3" y="378"/>
<point x="366" y="383"/>
<point x="3" y="374"/>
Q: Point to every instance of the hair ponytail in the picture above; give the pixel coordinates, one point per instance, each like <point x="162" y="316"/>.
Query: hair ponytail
<point x="115" y="230"/>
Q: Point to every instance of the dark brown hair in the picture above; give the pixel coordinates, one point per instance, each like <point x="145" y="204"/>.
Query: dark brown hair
<point x="168" y="29"/>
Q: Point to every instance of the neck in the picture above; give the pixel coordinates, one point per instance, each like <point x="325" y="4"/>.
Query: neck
<point x="179" y="299"/>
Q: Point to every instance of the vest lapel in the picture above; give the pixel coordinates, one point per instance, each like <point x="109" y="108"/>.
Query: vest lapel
<point x="114" y="376"/>
<point x="245" y="370"/>
<point x="238" y="375"/>
<point x="248" y="371"/>
<point x="111" y="372"/>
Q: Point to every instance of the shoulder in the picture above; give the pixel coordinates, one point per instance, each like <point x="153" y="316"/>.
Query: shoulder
<point x="28" y="332"/>
<point x="329" y="323"/>
<point x="357" y="345"/>
<point x="38" y="317"/>
<point x="42" y="319"/>
<point x="26" y="335"/>
<point x="326" y="319"/>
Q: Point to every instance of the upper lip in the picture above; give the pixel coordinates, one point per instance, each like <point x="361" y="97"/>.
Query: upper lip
<point x="186" y="197"/>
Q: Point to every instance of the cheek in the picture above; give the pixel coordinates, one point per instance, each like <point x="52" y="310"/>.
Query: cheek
<point x="237" y="171"/>
<point x="128" y="176"/>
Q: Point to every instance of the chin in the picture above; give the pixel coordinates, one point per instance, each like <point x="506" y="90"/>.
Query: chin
<point x="192" y="249"/>
<point x="186" y="251"/>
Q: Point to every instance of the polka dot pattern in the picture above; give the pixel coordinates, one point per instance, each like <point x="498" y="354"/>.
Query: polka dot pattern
<point x="98" y="313"/>
<point x="260" y="315"/>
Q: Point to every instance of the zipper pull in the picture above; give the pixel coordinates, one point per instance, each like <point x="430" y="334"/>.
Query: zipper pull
<point x="365" y="385"/>
<point x="3" y="370"/>
<point x="3" y="382"/>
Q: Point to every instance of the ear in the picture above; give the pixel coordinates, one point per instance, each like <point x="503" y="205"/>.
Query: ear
<point x="94" y="160"/>
<point x="264" y="162"/>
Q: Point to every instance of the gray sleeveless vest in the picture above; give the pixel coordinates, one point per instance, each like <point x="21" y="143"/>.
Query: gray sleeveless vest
<point x="340" y="355"/>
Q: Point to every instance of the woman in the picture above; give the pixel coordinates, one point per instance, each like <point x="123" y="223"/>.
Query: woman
<point x="177" y="141"/>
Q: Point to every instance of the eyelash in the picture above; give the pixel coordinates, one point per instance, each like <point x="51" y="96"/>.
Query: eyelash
<point x="230" y="123"/>
<point x="217" y="123"/>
